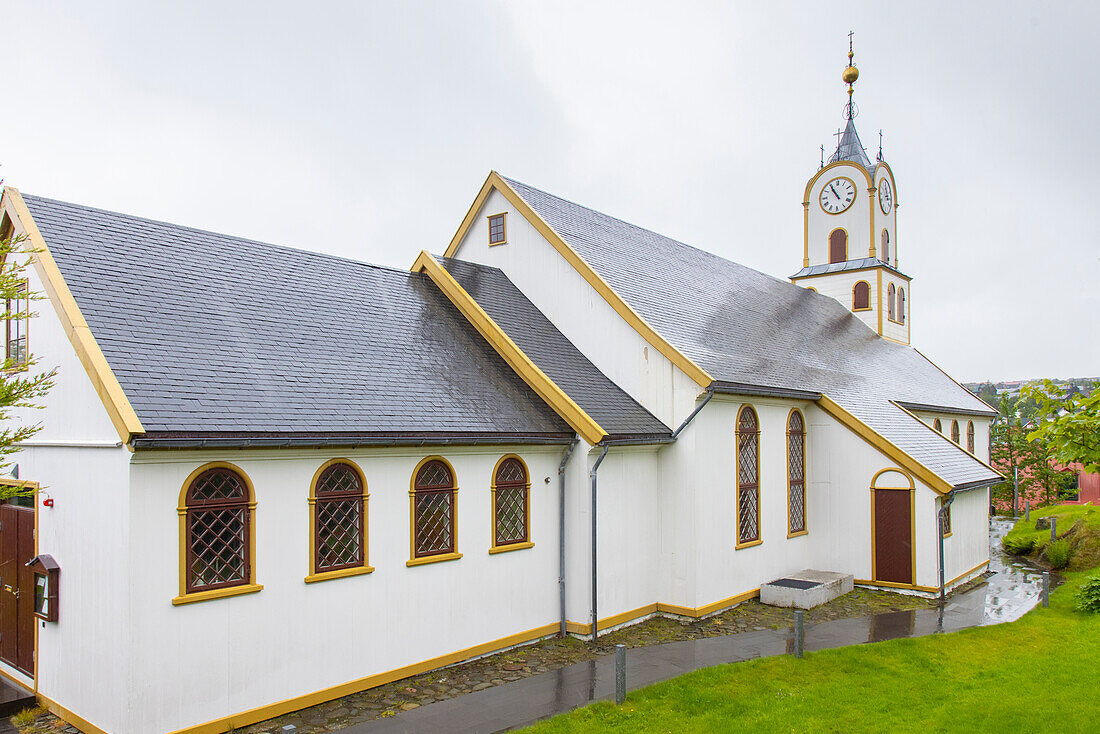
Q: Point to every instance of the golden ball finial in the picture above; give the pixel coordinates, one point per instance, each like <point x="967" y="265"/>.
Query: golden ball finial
<point x="850" y="75"/>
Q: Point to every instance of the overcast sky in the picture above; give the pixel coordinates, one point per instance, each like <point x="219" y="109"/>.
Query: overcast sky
<point x="366" y="129"/>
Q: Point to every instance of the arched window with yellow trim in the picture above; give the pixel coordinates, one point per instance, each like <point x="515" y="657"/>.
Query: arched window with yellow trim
<point x="796" y="474"/>
<point x="955" y="431"/>
<point x="748" y="477"/>
<point x="890" y="296"/>
<point x="886" y="246"/>
<point x="338" y="500"/>
<point x="970" y="436"/>
<point x="937" y="425"/>
<point x="217" y="511"/>
<point x="861" y="296"/>
<point x="511" y="504"/>
<point x="901" y="305"/>
<point x="838" y="246"/>
<point x="433" y="511"/>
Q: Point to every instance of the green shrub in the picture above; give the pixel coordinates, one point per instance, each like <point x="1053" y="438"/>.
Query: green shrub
<point x="1018" y="545"/>
<point x="1088" y="596"/>
<point x="1058" y="553"/>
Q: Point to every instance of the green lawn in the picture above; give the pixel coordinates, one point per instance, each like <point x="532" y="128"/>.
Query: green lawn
<point x="1038" y="674"/>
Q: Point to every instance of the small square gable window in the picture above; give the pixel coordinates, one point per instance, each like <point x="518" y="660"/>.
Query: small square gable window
<point x="496" y="230"/>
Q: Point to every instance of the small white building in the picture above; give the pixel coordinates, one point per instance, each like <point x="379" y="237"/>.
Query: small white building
<point x="278" y="477"/>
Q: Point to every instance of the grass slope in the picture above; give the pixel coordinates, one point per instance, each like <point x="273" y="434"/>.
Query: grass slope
<point x="1078" y="524"/>
<point x="1037" y="674"/>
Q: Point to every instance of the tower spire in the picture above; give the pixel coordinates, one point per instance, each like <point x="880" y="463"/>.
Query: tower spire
<point x="851" y="73"/>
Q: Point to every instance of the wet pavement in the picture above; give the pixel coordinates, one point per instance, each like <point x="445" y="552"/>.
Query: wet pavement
<point x="1011" y="590"/>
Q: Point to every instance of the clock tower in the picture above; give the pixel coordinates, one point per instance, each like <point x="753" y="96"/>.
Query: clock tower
<point x="850" y="242"/>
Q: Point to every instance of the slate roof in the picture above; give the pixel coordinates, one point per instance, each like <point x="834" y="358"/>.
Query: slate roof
<point x="221" y="336"/>
<point x="862" y="263"/>
<point x="850" y="148"/>
<point x="603" y="400"/>
<point x="743" y="326"/>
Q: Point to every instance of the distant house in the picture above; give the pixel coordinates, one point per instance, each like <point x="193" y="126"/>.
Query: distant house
<point x="1086" y="484"/>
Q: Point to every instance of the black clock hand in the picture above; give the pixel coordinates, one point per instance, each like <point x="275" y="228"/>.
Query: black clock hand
<point x="834" y="192"/>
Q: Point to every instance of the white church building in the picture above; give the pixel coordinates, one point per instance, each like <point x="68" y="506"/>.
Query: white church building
<point x="271" y="478"/>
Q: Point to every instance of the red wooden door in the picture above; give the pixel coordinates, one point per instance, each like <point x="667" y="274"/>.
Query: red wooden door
<point x="894" y="536"/>
<point x="16" y="587"/>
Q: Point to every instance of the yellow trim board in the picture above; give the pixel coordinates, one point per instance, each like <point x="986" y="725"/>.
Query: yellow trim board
<point x="118" y="406"/>
<point x="628" y="314"/>
<point x="964" y="574"/>
<point x="278" y="708"/>
<point x="893" y="585"/>
<point x="546" y="388"/>
<point x="69" y="717"/>
<point x="868" y="434"/>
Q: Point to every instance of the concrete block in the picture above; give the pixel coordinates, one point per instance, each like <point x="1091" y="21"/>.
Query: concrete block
<point x="806" y="589"/>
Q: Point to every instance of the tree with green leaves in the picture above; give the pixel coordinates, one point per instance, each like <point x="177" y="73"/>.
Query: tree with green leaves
<point x="22" y="383"/>
<point x="1069" y="423"/>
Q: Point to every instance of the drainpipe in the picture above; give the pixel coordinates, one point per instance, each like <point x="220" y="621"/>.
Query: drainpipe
<point x="595" y="587"/>
<point x="945" y="503"/>
<point x="700" y="406"/>
<point x="561" y="529"/>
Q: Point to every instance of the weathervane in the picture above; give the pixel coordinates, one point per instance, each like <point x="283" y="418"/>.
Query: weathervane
<point x="851" y="73"/>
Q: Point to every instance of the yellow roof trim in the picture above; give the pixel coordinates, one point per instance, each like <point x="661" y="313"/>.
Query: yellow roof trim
<point x="76" y="328"/>
<point x="868" y="434"/>
<point x="946" y="438"/>
<point x="546" y="388"/>
<point x="628" y="314"/>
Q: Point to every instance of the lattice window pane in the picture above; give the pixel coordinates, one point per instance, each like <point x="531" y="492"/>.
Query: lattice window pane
<point x="339" y="533"/>
<point x="747" y="458"/>
<point x="219" y="543"/>
<point x="511" y="522"/>
<point x="511" y="471"/>
<point x="434" y="474"/>
<point x="748" y="500"/>
<point x="434" y="526"/>
<point x="797" y="517"/>
<point x="796" y="460"/>
<point x="339" y="478"/>
<point x="217" y="484"/>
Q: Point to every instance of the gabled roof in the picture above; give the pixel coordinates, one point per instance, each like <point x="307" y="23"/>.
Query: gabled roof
<point x="607" y="403"/>
<point x="215" y="338"/>
<point x="738" y="325"/>
<point x="850" y="148"/>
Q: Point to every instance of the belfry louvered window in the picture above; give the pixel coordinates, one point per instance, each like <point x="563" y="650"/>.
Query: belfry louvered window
<point x="219" y="514"/>
<point x="511" y="508"/>
<point x="861" y="296"/>
<point x="748" y="477"/>
<point x="796" y="474"/>
<point x="339" y="518"/>
<point x="901" y="305"/>
<point x="891" y="300"/>
<point x="433" y="510"/>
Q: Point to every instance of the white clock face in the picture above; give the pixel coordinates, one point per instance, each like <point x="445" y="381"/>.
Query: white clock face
<point x="885" y="196"/>
<point x="838" y="195"/>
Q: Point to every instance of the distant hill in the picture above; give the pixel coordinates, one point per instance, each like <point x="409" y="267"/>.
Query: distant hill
<point x="990" y="392"/>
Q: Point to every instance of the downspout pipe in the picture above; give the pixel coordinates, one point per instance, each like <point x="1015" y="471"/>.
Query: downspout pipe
<point x="700" y="406"/>
<point x="595" y="586"/>
<point x="945" y="506"/>
<point x="561" y="529"/>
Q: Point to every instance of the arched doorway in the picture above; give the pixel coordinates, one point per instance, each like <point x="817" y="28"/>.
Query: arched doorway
<point x="892" y="551"/>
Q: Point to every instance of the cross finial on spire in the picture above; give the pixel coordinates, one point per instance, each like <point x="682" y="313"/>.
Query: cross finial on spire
<point x="822" y="157"/>
<point x="851" y="73"/>
<point x="879" y="144"/>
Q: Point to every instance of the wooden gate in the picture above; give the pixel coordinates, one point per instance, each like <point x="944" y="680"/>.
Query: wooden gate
<point x="16" y="587"/>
